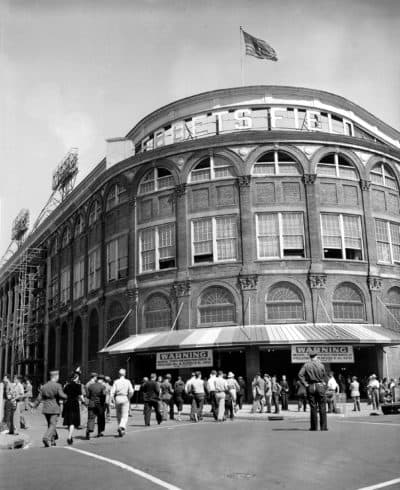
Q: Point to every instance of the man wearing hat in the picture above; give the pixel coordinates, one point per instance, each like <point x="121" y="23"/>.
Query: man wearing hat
<point x="314" y="378"/>
<point x="93" y="379"/>
<point x="121" y="393"/>
<point x="96" y="394"/>
<point x="50" y="394"/>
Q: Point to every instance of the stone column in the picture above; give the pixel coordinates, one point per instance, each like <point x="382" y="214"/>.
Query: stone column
<point x="58" y="345"/>
<point x="132" y="245"/>
<point x="132" y="294"/>
<point x="248" y="287"/>
<point x="313" y="217"/>
<point x="246" y="224"/>
<point x="181" y="295"/>
<point x="85" y="337"/>
<point x="317" y="283"/>
<point x="182" y="259"/>
<point x="8" y="329"/>
<point x="14" y="331"/>
<point x="370" y="249"/>
<point x="375" y="288"/>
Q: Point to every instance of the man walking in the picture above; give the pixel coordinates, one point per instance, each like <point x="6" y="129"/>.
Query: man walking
<point x="197" y="389"/>
<point x="121" y="393"/>
<point x="314" y="378"/>
<point x="151" y="399"/>
<point x="50" y="394"/>
<point x="220" y="391"/>
<point x="285" y="392"/>
<point x="96" y="394"/>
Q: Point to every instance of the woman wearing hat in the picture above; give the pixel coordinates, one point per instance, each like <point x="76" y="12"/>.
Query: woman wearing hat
<point x="71" y="412"/>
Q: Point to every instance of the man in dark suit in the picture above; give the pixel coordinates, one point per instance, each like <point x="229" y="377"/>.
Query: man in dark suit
<point x="50" y="394"/>
<point x="314" y="378"/>
<point x="151" y="399"/>
<point x="96" y="394"/>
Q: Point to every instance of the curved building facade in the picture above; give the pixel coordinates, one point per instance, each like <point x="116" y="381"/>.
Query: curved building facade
<point x="234" y="228"/>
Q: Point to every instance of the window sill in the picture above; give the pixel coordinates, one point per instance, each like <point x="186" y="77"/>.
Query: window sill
<point x="347" y="260"/>
<point x="159" y="271"/>
<point x="208" y="264"/>
<point x="275" y="259"/>
<point x="216" y="325"/>
<point x="284" y="322"/>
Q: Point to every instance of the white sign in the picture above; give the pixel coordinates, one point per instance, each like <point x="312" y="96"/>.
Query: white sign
<point x="184" y="359"/>
<point x="326" y="353"/>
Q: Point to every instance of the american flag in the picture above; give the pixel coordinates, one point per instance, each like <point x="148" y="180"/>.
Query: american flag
<point x="258" y="48"/>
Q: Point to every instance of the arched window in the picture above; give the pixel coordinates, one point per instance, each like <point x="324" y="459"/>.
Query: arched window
<point x="156" y="179"/>
<point x="77" y="352"/>
<point x="79" y="226"/>
<point x="217" y="306"/>
<point x="284" y="302"/>
<point x="66" y="237"/>
<point x="116" y="195"/>
<point x="51" y="349"/>
<point x="115" y="316"/>
<point x="63" y="345"/>
<point x="157" y="313"/>
<point x="94" y="212"/>
<point x="382" y="174"/>
<point x="93" y="335"/>
<point x="336" y="165"/>
<point x="393" y="306"/>
<point x="212" y="168"/>
<point x="348" y="303"/>
<point x="276" y="163"/>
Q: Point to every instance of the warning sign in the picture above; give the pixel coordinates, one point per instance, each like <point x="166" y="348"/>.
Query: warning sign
<point x="184" y="359"/>
<point x="326" y="353"/>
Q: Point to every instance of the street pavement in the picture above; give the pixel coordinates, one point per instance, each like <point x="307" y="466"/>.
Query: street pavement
<point x="359" y="451"/>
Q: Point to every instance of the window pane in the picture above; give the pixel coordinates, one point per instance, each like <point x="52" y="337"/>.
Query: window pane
<point x="352" y="232"/>
<point x="331" y="231"/>
<point x="268" y="235"/>
<point x="147" y="238"/>
<point x="202" y="236"/>
<point x="166" y="241"/>
<point x="226" y="238"/>
<point x="293" y="229"/>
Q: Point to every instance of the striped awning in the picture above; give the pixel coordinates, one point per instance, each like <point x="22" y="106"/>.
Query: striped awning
<point x="276" y="334"/>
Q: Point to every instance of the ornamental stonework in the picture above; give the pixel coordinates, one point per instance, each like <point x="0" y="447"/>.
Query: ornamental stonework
<point x="365" y="184"/>
<point x="309" y="178"/>
<point x="181" y="288"/>
<point x="248" y="283"/>
<point x="133" y="296"/>
<point x="244" y="181"/>
<point x="374" y="283"/>
<point x="317" y="281"/>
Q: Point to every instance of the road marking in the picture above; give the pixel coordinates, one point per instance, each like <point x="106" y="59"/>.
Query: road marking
<point x="369" y="423"/>
<point x="126" y="467"/>
<point x="381" y="485"/>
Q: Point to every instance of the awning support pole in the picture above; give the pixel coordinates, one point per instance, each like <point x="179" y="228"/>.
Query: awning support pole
<point x="117" y="329"/>
<point x="390" y="313"/>
<point x="177" y="316"/>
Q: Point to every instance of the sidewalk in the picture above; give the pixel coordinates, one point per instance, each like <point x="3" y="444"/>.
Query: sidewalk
<point x="32" y="437"/>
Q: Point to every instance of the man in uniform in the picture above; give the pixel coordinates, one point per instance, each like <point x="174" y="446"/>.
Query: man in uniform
<point x="50" y="394"/>
<point x="314" y="378"/>
<point x="96" y="394"/>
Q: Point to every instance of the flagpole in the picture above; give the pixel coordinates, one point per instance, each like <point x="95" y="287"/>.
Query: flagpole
<point x="241" y="56"/>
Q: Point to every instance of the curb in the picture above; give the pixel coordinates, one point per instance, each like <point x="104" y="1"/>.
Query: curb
<point x="13" y="443"/>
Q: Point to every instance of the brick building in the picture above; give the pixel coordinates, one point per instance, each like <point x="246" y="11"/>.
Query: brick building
<point x="231" y="228"/>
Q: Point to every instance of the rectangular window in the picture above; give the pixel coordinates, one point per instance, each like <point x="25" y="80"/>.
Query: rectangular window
<point x="117" y="258"/>
<point x="79" y="274"/>
<point x="65" y="286"/>
<point x="388" y="241"/>
<point x="214" y="239"/>
<point x="280" y="235"/>
<point x="157" y="248"/>
<point x="341" y="237"/>
<point x="94" y="266"/>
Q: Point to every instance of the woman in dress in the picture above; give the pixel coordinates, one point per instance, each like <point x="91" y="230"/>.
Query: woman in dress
<point x="71" y="412"/>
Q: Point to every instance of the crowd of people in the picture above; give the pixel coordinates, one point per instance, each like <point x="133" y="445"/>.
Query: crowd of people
<point x="222" y="391"/>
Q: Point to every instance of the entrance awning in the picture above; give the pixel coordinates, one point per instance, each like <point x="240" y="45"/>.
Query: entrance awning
<point x="276" y="334"/>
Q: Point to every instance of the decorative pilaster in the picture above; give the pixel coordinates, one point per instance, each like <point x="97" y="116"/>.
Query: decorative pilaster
<point x="309" y="178"/>
<point x="317" y="281"/>
<point x="365" y="185"/>
<point x="374" y="283"/>
<point x="248" y="282"/>
<point x="244" y="180"/>
<point x="181" y="289"/>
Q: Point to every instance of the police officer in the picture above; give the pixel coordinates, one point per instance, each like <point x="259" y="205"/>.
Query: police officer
<point x="50" y="395"/>
<point x="314" y="378"/>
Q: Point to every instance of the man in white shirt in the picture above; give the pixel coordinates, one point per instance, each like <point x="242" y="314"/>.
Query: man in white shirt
<point x="211" y="391"/>
<point x="373" y="389"/>
<point x="191" y="397"/>
<point x="197" y="389"/>
<point x="332" y="390"/>
<point x="121" y="393"/>
<point x="220" y="389"/>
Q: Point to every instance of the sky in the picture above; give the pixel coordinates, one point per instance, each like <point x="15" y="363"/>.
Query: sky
<point x="73" y="73"/>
